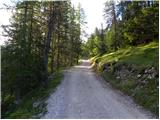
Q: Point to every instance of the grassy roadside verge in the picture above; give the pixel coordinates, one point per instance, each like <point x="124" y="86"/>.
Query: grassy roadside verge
<point x="134" y="71"/>
<point x="33" y="104"/>
<point x="144" y="95"/>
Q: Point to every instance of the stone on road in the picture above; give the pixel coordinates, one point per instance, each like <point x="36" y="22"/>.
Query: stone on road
<point x="83" y="94"/>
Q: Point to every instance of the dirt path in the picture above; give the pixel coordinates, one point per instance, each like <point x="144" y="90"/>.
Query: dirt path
<point x="82" y="94"/>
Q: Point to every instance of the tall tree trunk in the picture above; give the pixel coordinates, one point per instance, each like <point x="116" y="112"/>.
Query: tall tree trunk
<point x="31" y="31"/>
<point x="71" y="48"/>
<point x="57" y="60"/>
<point x="52" y="57"/>
<point x="115" y="25"/>
<point x="22" y="56"/>
<point x="51" y="28"/>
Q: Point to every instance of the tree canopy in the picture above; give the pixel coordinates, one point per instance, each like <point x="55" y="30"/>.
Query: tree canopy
<point x="43" y="37"/>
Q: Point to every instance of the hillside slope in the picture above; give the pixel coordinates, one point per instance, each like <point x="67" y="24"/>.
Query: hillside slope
<point x="134" y="71"/>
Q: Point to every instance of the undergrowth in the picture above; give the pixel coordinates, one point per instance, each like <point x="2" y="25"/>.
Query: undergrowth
<point x="27" y="109"/>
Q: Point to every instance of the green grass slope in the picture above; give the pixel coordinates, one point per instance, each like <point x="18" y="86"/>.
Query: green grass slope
<point x="134" y="71"/>
<point x="141" y="56"/>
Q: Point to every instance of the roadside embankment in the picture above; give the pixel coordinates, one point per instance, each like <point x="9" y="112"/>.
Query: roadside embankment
<point x="135" y="71"/>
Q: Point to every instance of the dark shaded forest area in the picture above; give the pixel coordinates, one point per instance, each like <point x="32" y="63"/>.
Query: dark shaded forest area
<point x="43" y="38"/>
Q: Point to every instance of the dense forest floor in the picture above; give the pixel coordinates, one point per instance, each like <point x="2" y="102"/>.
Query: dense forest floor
<point x="134" y="71"/>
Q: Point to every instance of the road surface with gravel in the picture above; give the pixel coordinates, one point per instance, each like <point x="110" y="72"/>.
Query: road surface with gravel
<point x="83" y="94"/>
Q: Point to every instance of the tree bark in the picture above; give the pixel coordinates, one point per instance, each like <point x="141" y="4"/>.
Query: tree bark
<point x="51" y="28"/>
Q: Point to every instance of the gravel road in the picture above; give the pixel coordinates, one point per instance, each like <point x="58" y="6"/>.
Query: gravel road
<point x="83" y="94"/>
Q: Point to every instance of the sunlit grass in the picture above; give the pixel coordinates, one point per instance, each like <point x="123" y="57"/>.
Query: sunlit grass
<point x="140" y="56"/>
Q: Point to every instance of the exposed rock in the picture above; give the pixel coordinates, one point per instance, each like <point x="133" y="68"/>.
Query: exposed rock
<point x="139" y="75"/>
<point x="145" y="71"/>
<point x="117" y="77"/>
<point x="144" y="76"/>
<point x="149" y="77"/>
<point x="126" y="72"/>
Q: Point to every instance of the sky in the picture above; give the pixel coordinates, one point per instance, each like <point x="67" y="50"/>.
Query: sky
<point x="4" y="18"/>
<point x="93" y="11"/>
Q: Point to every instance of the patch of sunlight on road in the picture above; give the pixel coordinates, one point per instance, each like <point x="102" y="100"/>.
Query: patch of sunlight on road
<point x="81" y="66"/>
<point x="85" y="64"/>
<point x="87" y="61"/>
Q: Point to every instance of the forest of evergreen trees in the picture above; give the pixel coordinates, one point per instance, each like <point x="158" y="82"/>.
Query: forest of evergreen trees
<point x="128" y="47"/>
<point x="43" y="37"/>
<point x="129" y="23"/>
